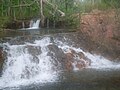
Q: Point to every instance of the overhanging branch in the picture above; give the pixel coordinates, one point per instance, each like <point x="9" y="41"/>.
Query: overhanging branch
<point x="54" y="7"/>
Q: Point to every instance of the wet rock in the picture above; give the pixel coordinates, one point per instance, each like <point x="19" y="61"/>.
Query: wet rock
<point x="18" y="40"/>
<point x="34" y="51"/>
<point x="57" y="55"/>
<point x="35" y="59"/>
<point x="29" y="72"/>
<point x="69" y="60"/>
<point x="76" y="60"/>
<point x="86" y="60"/>
<point x="1" y="60"/>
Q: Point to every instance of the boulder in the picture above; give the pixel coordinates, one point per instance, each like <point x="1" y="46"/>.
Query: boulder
<point x="34" y="51"/>
<point x="69" y="60"/>
<point x="76" y="60"/>
<point x="57" y="55"/>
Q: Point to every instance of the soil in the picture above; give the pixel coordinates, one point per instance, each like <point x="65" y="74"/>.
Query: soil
<point x="102" y="29"/>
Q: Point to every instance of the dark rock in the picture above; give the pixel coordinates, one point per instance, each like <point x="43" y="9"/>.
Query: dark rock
<point x="34" y="51"/>
<point x="57" y="55"/>
<point x="69" y="61"/>
<point x="1" y="60"/>
<point x="17" y="24"/>
<point x="76" y="60"/>
<point x="35" y="59"/>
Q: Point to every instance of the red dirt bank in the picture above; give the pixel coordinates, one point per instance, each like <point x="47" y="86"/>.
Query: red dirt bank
<point x="103" y="28"/>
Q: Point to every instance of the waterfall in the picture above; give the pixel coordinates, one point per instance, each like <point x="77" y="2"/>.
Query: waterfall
<point x="34" y="24"/>
<point x="97" y="62"/>
<point x="28" y="63"/>
<point x="42" y="61"/>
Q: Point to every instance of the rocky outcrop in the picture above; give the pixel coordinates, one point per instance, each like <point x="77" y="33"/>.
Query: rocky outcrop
<point x="71" y="60"/>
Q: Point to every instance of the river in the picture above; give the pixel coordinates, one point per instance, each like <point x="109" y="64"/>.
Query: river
<point x="40" y="63"/>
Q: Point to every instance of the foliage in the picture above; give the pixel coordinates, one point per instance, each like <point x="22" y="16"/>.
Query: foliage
<point x="89" y="5"/>
<point x="3" y="21"/>
<point x="13" y="9"/>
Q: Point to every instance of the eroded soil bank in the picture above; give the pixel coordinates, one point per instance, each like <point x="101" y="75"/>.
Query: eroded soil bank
<point x="102" y="30"/>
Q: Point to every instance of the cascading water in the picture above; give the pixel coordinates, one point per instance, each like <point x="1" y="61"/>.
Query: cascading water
<point x="42" y="61"/>
<point x="28" y="63"/>
<point x="34" y="24"/>
<point x="97" y="62"/>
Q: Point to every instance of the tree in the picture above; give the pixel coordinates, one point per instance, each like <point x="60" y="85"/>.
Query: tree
<point x="41" y="13"/>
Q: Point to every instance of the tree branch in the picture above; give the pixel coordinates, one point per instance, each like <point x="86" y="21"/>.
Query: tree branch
<point x="54" y="7"/>
<point x="23" y="5"/>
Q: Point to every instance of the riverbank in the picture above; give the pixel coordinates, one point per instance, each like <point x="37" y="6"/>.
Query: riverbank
<point x="102" y="30"/>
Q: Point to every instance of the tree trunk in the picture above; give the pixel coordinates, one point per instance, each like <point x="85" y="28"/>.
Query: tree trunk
<point x="41" y="13"/>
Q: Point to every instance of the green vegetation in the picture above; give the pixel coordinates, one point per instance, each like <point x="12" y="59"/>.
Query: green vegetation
<point x="3" y="21"/>
<point x="89" y="5"/>
<point x="51" y="9"/>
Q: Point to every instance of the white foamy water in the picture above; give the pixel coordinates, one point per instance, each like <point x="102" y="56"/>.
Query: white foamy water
<point x="97" y="62"/>
<point x="24" y="66"/>
<point x="20" y="69"/>
<point x="34" y="24"/>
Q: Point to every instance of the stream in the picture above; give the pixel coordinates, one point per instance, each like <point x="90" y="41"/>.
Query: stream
<point x="53" y="62"/>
